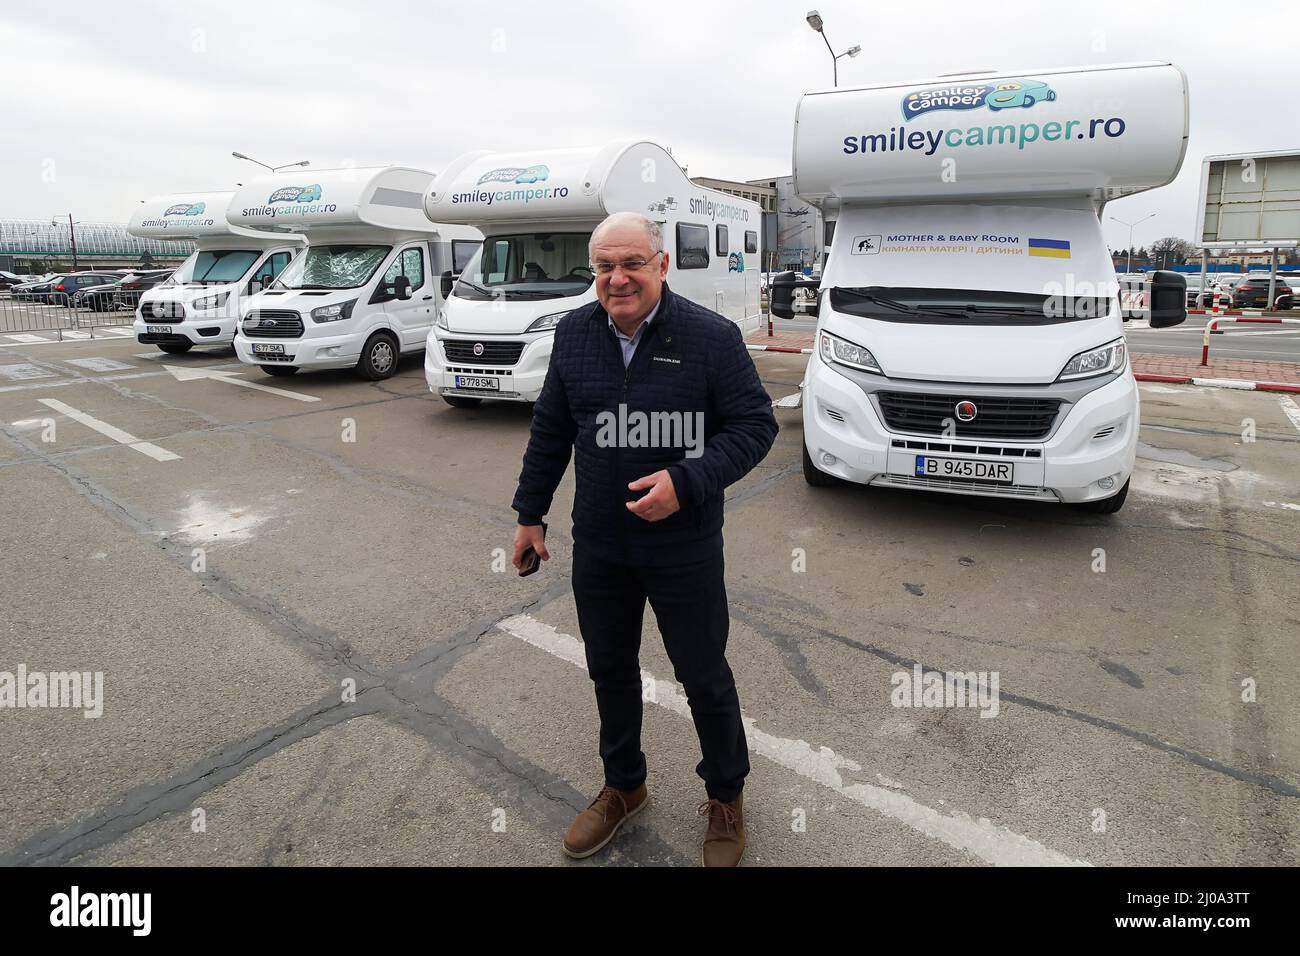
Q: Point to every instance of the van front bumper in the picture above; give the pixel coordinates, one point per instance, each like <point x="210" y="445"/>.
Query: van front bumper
<point x="1087" y="455"/>
<point x="316" y="351"/>
<point x="213" y="330"/>
<point x="518" y="382"/>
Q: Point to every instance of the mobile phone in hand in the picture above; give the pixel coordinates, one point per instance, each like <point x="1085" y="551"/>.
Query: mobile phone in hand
<point x="530" y="558"/>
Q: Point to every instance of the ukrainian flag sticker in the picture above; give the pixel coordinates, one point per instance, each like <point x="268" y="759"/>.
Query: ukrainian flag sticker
<point x="1054" y="248"/>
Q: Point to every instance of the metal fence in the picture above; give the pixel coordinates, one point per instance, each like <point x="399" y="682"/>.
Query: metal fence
<point x="58" y="314"/>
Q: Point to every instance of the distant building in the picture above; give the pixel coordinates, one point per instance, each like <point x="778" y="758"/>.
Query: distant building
<point x="38" y="246"/>
<point x="797" y="229"/>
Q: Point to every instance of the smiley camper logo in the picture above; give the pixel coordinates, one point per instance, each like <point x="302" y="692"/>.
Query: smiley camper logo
<point x="515" y="174"/>
<point x="1000" y="95"/>
<point x="186" y="209"/>
<point x="295" y="194"/>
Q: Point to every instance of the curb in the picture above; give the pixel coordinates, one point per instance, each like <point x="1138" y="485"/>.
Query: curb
<point x="1218" y="382"/>
<point x="777" y="348"/>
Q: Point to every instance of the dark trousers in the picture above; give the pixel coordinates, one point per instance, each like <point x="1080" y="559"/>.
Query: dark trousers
<point x="690" y="604"/>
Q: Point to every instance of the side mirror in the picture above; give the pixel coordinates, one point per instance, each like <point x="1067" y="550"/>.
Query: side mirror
<point x="448" y="280"/>
<point x="257" y="285"/>
<point x="1168" y="299"/>
<point x="782" y="295"/>
<point x="402" y="287"/>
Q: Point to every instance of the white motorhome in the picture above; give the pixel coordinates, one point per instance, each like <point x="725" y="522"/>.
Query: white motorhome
<point x="537" y="211"/>
<point x="374" y="275"/>
<point x="199" y="304"/>
<point x="970" y="338"/>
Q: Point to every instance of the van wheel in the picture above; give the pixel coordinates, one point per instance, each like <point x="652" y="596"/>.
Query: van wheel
<point x="176" y="348"/>
<point x="279" y="371"/>
<point x="818" y="479"/>
<point x="379" y="357"/>
<point x="461" y="401"/>
<point x="1107" y="506"/>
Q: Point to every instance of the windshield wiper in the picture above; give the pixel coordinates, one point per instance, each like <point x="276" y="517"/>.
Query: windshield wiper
<point x="996" y="309"/>
<point x="473" y="285"/>
<point x="533" y="294"/>
<point x="878" y="299"/>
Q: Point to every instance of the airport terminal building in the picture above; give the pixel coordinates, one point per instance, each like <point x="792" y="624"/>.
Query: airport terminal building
<point x="35" y="247"/>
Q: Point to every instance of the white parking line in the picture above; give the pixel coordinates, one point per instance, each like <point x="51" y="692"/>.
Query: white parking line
<point x="1291" y="410"/>
<point x="111" y="431"/>
<point x="26" y="338"/>
<point x="981" y="838"/>
<point x="97" y="364"/>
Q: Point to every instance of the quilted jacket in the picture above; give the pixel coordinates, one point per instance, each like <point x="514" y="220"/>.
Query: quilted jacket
<point x="689" y="360"/>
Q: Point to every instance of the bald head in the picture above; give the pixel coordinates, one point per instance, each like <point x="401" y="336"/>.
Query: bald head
<point x="626" y="225"/>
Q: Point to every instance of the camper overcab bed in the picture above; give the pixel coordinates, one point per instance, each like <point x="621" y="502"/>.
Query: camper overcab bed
<point x="537" y="211"/>
<point x="969" y="336"/>
<point x="371" y="281"/>
<point x="199" y="304"/>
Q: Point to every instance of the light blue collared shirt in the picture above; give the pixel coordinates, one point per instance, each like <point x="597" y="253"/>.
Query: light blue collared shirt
<point x="629" y="343"/>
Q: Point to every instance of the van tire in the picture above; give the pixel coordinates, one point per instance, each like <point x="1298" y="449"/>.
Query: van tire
<point x="279" y="371"/>
<point x="814" y="477"/>
<point x="379" y="357"/>
<point x="176" y="348"/>
<point x="1107" y="506"/>
<point x="462" y="401"/>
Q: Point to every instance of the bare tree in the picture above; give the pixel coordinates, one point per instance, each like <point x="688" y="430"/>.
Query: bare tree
<point x="1170" y="251"/>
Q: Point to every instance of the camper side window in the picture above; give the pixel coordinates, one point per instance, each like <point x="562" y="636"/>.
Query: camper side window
<point x="409" y="263"/>
<point x="723" y="239"/>
<point x="462" y="251"/>
<point x="271" y="268"/>
<point x="751" y="241"/>
<point x="692" y="246"/>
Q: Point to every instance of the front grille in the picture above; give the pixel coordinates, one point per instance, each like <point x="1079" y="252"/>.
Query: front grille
<point x="930" y="414"/>
<point x="162" y="312"/>
<point x="273" y="324"/>
<point x="494" y="353"/>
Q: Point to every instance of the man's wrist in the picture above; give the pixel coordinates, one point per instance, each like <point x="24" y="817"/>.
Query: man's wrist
<point x="528" y="520"/>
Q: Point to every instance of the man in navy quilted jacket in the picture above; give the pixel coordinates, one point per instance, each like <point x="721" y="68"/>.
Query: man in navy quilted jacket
<point x="662" y="408"/>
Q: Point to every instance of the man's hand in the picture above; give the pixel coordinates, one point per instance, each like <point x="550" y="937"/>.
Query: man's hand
<point x="526" y="534"/>
<point x="659" y="502"/>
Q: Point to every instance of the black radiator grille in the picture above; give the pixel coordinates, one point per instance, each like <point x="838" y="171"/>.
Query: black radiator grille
<point x="929" y="414"/>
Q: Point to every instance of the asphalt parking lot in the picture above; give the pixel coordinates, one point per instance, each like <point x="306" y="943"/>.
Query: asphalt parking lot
<point x="313" y="651"/>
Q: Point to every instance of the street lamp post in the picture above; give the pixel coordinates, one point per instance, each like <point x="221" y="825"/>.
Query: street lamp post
<point x="274" y="169"/>
<point x="815" y="21"/>
<point x="72" y="237"/>
<point x="1129" y="267"/>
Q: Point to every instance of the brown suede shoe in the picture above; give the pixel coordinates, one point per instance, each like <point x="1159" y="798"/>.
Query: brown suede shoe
<point x="596" y="826"/>
<point x="724" y="842"/>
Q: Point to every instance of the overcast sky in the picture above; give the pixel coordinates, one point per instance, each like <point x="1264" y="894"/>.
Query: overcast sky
<point x="109" y="103"/>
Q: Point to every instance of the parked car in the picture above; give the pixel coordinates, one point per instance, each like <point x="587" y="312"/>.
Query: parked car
<point x="136" y="284"/>
<point x="1252" y="292"/>
<point x="61" y="291"/>
<point x="1291" y="300"/>
<point x="10" y="279"/>
<point x="34" y="291"/>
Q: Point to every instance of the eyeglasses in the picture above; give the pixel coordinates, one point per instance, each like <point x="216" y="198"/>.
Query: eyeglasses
<point x="627" y="265"/>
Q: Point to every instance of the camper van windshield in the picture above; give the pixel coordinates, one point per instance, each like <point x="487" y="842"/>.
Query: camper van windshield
<point x="209" y="266"/>
<point x="542" y="265"/>
<point x="333" y="267"/>
<point x="968" y="306"/>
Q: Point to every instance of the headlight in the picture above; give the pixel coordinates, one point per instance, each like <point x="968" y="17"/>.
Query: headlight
<point x="210" y="302"/>
<point x="1102" y="360"/>
<point x="333" y="313"/>
<point x="441" y="320"/>
<point x="547" y="323"/>
<point x="832" y="348"/>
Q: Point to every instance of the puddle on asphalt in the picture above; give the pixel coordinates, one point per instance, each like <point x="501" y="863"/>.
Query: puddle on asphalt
<point x="1177" y="456"/>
